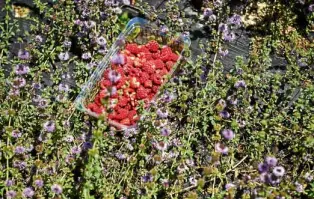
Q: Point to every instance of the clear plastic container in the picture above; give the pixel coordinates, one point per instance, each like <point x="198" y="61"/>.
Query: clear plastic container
<point x="140" y="31"/>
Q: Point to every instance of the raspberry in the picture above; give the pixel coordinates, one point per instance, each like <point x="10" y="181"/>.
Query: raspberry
<point x="122" y="113"/>
<point x="104" y="93"/>
<point x="131" y="115"/>
<point x="125" y="122"/>
<point x="141" y="93"/>
<point x="143" y="49"/>
<point x="134" y="83"/>
<point x="128" y="91"/>
<point x="159" y="64"/>
<point x="133" y="48"/>
<point x="162" y="72"/>
<point x="148" y="84"/>
<point x="112" y="115"/>
<point x="151" y="95"/>
<point x="95" y="108"/>
<point x="155" y="89"/>
<point x="169" y="64"/>
<point x="156" y="55"/>
<point x="123" y="101"/>
<point x="126" y="52"/>
<point x="157" y="79"/>
<point x="166" y="54"/>
<point x="153" y="46"/>
<point x="143" y="77"/>
<point x="97" y="100"/>
<point x="105" y="84"/>
<point x="166" y="50"/>
<point x="138" y="62"/>
<point x="105" y="75"/>
<point x="174" y="57"/>
<point x="135" y="72"/>
<point x="121" y="82"/>
<point x="145" y="56"/>
<point x="149" y="67"/>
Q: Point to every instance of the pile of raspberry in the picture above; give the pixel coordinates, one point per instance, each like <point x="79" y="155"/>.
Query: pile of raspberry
<point x="138" y="74"/>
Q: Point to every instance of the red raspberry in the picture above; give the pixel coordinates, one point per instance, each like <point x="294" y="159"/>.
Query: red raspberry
<point x="141" y="93"/>
<point x="121" y="82"/>
<point x="151" y="95"/>
<point x="123" y="101"/>
<point x="145" y="56"/>
<point x="143" y="49"/>
<point x="156" y="55"/>
<point x="104" y="84"/>
<point x="126" y="52"/>
<point x="174" y="57"/>
<point x="166" y="54"/>
<point x="112" y="115"/>
<point x="122" y="113"/>
<point x="166" y="50"/>
<point x="143" y="77"/>
<point x="155" y="89"/>
<point x="162" y="72"/>
<point x="134" y="83"/>
<point x="159" y="64"/>
<point x="95" y="108"/>
<point x="97" y="100"/>
<point x="105" y="75"/>
<point x="148" y="84"/>
<point x="125" y="122"/>
<point x="153" y="46"/>
<point x="104" y="93"/>
<point x="157" y="79"/>
<point x="135" y="72"/>
<point x="131" y="115"/>
<point x="128" y="92"/>
<point x="138" y="62"/>
<point x="169" y="64"/>
<point x="133" y="48"/>
<point x="149" y="67"/>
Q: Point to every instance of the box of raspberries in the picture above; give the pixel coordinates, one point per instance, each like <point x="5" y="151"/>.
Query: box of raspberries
<point x="137" y="65"/>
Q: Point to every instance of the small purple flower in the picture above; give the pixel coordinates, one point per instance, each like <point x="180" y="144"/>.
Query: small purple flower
<point x="229" y="186"/>
<point x="162" y="146"/>
<point x="263" y="168"/>
<point x="78" y="22"/>
<point x="182" y="168"/>
<point x="224" y="114"/>
<point x="23" y="54"/>
<point x="38" y="39"/>
<point x="212" y="18"/>
<point x="207" y="12"/>
<point x="11" y="194"/>
<point x="311" y="8"/>
<point x="63" y="87"/>
<point x="28" y="192"/>
<point x="147" y="178"/>
<point x="228" y="36"/>
<point x="49" y="126"/>
<point x="64" y="56"/>
<point x="39" y="183"/>
<point x="228" y="134"/>
<point x="57" y="189"/>
<point x="217" y="3"/>
<point x="222" y="103"/>
<point x="113" y="90"/>
<point x="67" y="43"/>
<point x="101" y="41"/>
<point x="86" y="55"/>
<point x="19" y="82"/>
<point x="36" y="86"/>
<point x="308" y="177"/>
<point x="19" y="150"/>
<point x="235" y="20"/>
<point x="16" y="134"/>
<point x="114" y="76"/>
<point x="221" y="148"/>
<point x="192" y="181"/>
<point x="9" y="183"/>
<point x="240" y="84"/>
<point x="126" y="2"/>
<point x="165" y="131"/>
<point x="87" y="145"/>
<point x="224" y="52"/>
<point x="43" y="103"/>
<point x="90" y="24"/>
<point x="168" y="97"/>
<point x="14" y="92"/>
<point x="271" y="161"/>
<point x="21" y="69"/>
<point x="164" y="30"/>
<point x="232" y="100"/>
<point x="120" y="156"/>
<point x="299" y="187"/>
<point x="279" y="171"/>
<point x="161" y="113"/>
<point x="20" y="165"/>
<point x="76" y="150"/>
<point x="222" y="27"/>
<point x="118" y="59"/>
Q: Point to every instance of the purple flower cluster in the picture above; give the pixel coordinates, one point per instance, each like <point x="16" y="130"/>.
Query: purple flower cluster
<point x="270" y="172"/>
